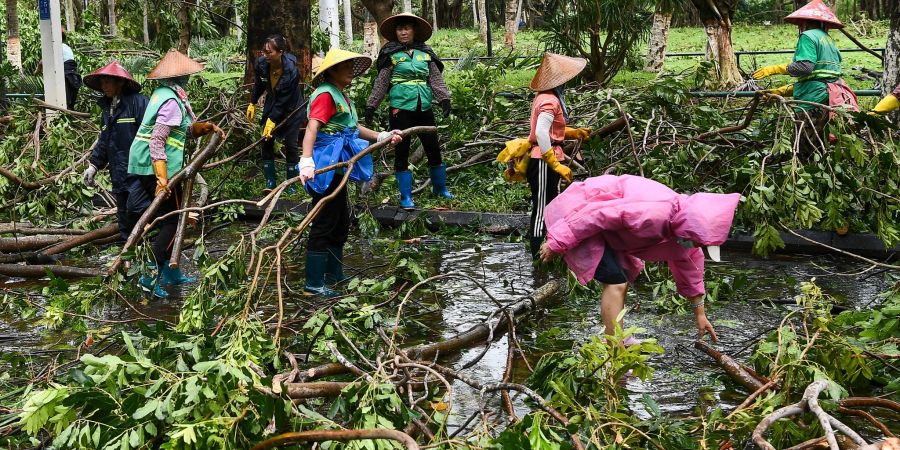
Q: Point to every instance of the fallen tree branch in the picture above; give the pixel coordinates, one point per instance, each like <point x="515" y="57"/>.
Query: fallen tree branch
<point x="26" y="243"/>
<point x="91" y="236"/>
<point x="39" y="271"/>
<point x="337" y="435"/>
<point x="734" y="369"/>
<point x="31" y="185"/>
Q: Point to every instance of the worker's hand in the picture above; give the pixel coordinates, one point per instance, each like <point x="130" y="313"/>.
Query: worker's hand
<point x="394" y="135"/>
<point x="251" y="112"/>
<point x="886" y="105"/>
<point x="768" y="71"/>
<point x="445" y="107"/>
<point x="162" y="178"/>
<point x="200" y="129"/>
<point x="704" y="326"/>
<point x="268" y="129"/>
<point x="369" y="116"/>
<point x="582" y="134"/>
<point x="783" y="91"/>
<point x="88" y="176"/>
<point x="547" y="255"/>
<point x="307" y="169"/>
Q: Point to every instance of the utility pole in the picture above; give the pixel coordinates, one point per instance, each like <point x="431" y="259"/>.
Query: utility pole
<point x="51" y="52"/>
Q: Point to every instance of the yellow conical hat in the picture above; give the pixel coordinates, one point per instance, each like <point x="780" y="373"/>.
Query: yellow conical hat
<point x="556" y="70"/>
<point x="336" y="56"/>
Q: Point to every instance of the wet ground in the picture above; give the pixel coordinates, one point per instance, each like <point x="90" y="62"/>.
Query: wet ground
<point x="683" y="379"/>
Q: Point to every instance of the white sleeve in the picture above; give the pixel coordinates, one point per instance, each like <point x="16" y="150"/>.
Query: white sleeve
<point x="542" y="131"/>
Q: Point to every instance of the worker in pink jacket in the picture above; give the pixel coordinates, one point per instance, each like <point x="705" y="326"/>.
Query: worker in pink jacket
<point x="605" y="226"/>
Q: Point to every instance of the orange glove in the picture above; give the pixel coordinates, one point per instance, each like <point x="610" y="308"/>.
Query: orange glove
<point x="162" y="177"/>
<point x="582" y="134"/>
<point x="200" y="129"/>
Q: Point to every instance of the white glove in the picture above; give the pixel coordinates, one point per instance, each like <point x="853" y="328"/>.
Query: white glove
<point x="307" y="169"/>
<point x="384" y="135"/>
<point x="88" y="176"/>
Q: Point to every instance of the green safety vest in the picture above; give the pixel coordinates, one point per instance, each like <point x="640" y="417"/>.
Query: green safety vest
<point x="139" y="161"/>
<point x="816" y="45"/>
<point x="409" y="81"/>
<point x="345" y="115"/>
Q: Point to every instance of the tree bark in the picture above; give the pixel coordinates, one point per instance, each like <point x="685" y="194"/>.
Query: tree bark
<point x="13" y="44"/>
<point x="380" y="9"/>
<point x="40" y="271"/>
<point x="716" y="18"/>
<point x="512" y="25"/>
<point x="184" y="27"/>
<point x="26" y="243"/>
<point x="370" y="39"/>
<point x="145" y="22"/>
<point x="449" y="13"/>
<point x="659" y="39"/>
<point x="892" y="53"/>
<point x="348" y="22"/>
<point x="287" y="17"/>
<point x="112" y="17"/>
<point x="407" y="6"/>
<point x="482" y="20"/>
<point x="434" y="19"/>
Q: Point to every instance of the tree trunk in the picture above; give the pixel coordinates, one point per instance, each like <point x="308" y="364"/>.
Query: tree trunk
<point x="145" y="22"/>
<point x="380" y="9"/>
<point x="892" y="58"/>
<point x="348" y="22"/>
<point x="184" y="27"/>
<point x="13" y="44"/>
<point x="370" y="39"/>
<point x="69" y="16"/>
<point x="482" y="20"/>
<point x="716" y="18"/>
<point x="659" y="38"/>
<point x="434" y="19"/>
<point x="112" y="17"/>
<point x="407" y="6"/>
<point x="449" y="13"/>
<point x="287" y="17"/>
<point x="509" y="38"/>
<point x="238" y="24"/>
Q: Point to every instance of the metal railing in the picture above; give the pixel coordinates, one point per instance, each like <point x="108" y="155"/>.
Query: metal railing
<point x="738" y="54"/>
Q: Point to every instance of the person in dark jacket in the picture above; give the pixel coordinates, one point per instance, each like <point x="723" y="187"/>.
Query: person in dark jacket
<point x="409" y="73"/>
<point x="123" y="107"/>
<point x="276" y="75"/>
<point x="71" y="74"/>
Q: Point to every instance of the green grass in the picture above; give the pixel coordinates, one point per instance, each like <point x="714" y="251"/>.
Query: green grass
<point x="457" y="43"/>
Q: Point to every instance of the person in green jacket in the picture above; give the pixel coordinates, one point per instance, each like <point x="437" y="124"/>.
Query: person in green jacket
<point x="409" y="73"/>
<point x="156" y="154"/>
<point x="817" y="67"/>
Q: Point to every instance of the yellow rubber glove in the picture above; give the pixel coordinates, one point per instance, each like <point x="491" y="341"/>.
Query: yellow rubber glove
<point x="251" y="112"/>
<point x="784" y="91"/>
<point x="886" y="105"/>
<point x="162" y="176"/>
<point x="268" y="129"/>
<point x="553" y="163"/>
<point x="768" y="71"/>
<point x="582" y="134"/>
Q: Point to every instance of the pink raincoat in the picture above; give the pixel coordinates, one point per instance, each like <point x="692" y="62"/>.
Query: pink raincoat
<point x="640" y="219"/>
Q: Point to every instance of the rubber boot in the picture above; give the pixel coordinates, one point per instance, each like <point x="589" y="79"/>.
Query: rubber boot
<point x="334" y="266"/>
<point x="151" y="284"/>
<point x="315" y="274"/>
<point x="439" y="181"/>
<point x="269" y="173"/>
<point x="170" y="276"/>
<point x="291" y="171"/>
<point x="404" y="185"/>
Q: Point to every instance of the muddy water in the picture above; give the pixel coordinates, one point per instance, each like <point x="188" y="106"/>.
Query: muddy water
<point x="684" y="379"/>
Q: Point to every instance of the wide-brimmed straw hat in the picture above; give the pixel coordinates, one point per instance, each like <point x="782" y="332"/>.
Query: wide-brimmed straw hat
<point x="336" y="56"/>
<point x="556" y="70"/>
<point x="173" y="65"/>
<point x="113" y="69"/>
<point x="815" y="11"/>
<point x="388" y="27"/>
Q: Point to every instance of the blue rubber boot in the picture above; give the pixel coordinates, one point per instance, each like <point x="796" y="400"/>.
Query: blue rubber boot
<point x="149" y="283"/>
<point x="315" y="274"/>
<point x="404" y="184"/>
<point x="269" y="173"/>
<point x="290" y="172"/>
<point x="439" y="181"/>
<point x="334" y="266"/>
<point x="170" y="276"/>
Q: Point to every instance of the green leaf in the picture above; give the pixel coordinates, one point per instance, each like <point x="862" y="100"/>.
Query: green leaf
<point x="145" y="410"/>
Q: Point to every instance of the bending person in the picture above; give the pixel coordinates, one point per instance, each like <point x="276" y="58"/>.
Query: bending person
<point x="409" y="73"/>
<point x="549" y="116"/>
<point x="333" y="135"/>
<point x="605" y="226"/>
<point x="276" y="75"/>
<point x="156" y="154"/>
<point x="123" y="107"/>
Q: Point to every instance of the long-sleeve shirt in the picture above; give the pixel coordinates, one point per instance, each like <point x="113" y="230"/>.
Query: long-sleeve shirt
<point x="383" y="84"/>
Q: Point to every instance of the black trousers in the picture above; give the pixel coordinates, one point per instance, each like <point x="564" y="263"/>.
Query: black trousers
<point x="290" y="135"/>
<point x="141" y="191"/>
<point x="125" y="223"/>
<point x="332" y="226"/>
<point x="544" y="184"/>
<point x="400" y="120"/>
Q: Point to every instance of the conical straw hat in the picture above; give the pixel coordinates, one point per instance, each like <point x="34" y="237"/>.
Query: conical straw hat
<point x="556" y="70"/>
<point x="388" y="27"/>
<point x="336" y="56"/>
<point x="113" y="69"/>
<point x="815" y="11"/>
<point x="173" y="65"/>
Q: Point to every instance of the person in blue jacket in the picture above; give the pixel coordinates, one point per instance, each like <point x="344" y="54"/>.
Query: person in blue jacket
<point x="123" y="106"/>
<point x="276" y="75"/>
